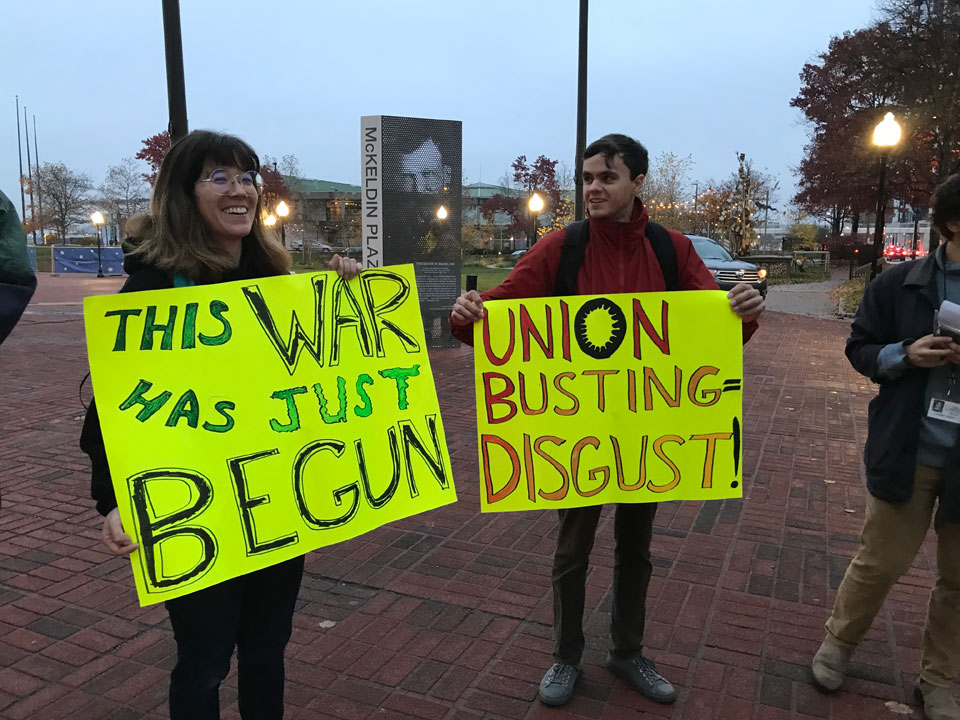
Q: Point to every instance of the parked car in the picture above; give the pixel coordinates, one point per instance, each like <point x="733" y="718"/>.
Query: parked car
<point x="297" y="245"/>
<point x="726" y="270"/>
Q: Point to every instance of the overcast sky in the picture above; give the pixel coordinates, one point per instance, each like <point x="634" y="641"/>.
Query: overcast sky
<point x="693" y="77"/>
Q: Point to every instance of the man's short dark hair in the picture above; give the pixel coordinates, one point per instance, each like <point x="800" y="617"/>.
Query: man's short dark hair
<point x="946" y="204"/>
<point x="633" y="153"/>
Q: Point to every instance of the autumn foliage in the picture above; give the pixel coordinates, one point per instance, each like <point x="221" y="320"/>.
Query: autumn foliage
<point x="153" y="151"/>
<point x="905" y="63"/>
<point x="155" y="147"/>
<point x="539" y="177"/>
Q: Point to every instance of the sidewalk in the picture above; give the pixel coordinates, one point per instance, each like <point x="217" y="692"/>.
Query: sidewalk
<point x="448" y="614"/>
<point x="814" y="299"/>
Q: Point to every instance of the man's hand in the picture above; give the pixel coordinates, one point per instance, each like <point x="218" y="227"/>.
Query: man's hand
<point x="345" y="267"/>
<point x="468" y="308"/>
<point x="113" y="536"/>
<point x="932" y="351"/>
<point x="954" y="355"/>
<point x="746" y="301"/>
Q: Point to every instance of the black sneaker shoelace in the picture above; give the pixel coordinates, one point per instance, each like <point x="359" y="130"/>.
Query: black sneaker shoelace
<point x="561" y="673"/>
<point x="647" y="669"/>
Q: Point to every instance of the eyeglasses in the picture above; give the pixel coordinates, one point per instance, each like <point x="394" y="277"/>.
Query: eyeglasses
<point x="222" y="181"/>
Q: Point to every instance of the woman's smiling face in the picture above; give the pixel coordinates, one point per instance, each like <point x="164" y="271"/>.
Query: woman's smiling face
<point x="227" y="198"/>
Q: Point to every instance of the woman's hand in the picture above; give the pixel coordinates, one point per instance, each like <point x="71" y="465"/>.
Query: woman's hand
<point x="113" y="536"/>
<point x="345" y="267"/>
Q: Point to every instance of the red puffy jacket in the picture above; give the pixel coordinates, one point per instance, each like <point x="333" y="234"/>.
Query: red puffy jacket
<point x="619" y="259"/>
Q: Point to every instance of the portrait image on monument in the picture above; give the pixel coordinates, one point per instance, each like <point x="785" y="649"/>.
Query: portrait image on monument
<point x="421" y="211"/>
<point x="421" y="187"/>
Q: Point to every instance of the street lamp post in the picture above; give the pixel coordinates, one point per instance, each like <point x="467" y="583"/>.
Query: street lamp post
<point x="97" y="220"/>
<point x="282" y="211"/>
<point x="536" y="206"/>
<point x="885" y="135"/>
<point x="696" y="205"/>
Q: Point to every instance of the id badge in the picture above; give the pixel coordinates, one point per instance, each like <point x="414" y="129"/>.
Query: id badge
<point x="944" y="410"/>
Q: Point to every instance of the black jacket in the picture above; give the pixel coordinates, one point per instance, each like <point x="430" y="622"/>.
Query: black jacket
<point x="17" y="281"/>
<point x="141" y="277"/>
<point x="898" y="305"/>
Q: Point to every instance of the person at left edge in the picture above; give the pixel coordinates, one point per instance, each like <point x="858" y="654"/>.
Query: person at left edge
<point x="205" y="226"/>
<point x="17" y="279"/>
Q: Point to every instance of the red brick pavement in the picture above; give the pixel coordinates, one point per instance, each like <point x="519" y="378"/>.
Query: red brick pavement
<point x="447" y="615"/>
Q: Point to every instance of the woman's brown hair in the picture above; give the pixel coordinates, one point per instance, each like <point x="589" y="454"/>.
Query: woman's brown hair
<point x="174" y="237"/>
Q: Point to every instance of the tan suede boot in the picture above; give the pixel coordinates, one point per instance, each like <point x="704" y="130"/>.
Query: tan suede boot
<point x="937" y="702"/>
<point x="830" y="663"/>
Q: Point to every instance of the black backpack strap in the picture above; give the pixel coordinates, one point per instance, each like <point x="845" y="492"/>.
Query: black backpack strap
<point x="574" y="248"/>
<point x="666" y="254"/>
<point x="571" y="257"/>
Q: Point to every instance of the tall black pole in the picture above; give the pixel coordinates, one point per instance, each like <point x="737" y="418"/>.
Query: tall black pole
<point x="33" y="217"/>
<point x="23" y="203"/>
<point x="881" y="211"/>
<point x="99" y="258"/>
<point x="176" y="91"/>
<point x="36" y="159"/>
<point x="696" y="204"/>
<point x="916" y="230"/>
<point x="581" y="111"/>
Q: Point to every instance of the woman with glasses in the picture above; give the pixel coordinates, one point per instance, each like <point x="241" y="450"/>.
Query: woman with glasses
<point x="205" y="226"/>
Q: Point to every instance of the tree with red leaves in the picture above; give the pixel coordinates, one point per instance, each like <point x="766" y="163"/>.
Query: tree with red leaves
<point x="153" y="151"/>
<point x="843" y="97"/>
<point x="905" y="63"/>
<point x="274" y="189"/>
<point x="541" y="178"/>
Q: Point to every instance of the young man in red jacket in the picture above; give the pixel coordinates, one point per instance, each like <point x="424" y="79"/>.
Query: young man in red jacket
<point x="619" y="257"/>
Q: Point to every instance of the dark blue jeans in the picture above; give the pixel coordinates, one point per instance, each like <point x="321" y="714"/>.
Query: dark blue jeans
<point x="252" y="613"/>
<point x="632" y="531"/>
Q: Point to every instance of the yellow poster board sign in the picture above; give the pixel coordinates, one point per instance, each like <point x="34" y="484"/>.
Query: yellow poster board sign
<point x="250" y="422"/>
<point x="587" y="400"/>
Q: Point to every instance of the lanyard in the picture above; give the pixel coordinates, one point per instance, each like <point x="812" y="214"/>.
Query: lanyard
<point x="943" y="270"/>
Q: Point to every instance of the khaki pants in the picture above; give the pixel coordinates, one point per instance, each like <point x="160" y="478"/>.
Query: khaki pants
<point x="891" y="537"/>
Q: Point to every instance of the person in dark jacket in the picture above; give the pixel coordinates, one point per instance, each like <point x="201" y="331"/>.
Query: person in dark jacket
<point x="912" y="461"/>
<point x="17" y="279"/>
<point x="619" y="258"/>
<point x="205" y="226"/>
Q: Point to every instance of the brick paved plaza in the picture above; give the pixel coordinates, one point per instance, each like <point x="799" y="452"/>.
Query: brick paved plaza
<point x="448" y="614"/>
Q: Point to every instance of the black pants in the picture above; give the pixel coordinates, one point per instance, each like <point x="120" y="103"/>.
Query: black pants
<point x="253" y="613"/>
<point x="633" y="530"/>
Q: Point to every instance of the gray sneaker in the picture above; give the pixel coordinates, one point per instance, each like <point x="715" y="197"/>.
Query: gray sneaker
<point x="642" y="674"/>
<point x="557" y="685"/>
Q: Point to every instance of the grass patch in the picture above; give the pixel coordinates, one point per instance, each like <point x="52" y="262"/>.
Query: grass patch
<point x="44" y="258"/>
<point x="314" y="261"/>
<point x="849" y="295"/>
<point x="797" y="277"/>
<point x="487" y="278"/>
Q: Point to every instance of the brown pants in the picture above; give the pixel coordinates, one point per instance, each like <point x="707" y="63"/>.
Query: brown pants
<point x="891" y="537"/>
<point x="632" y="531"/>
